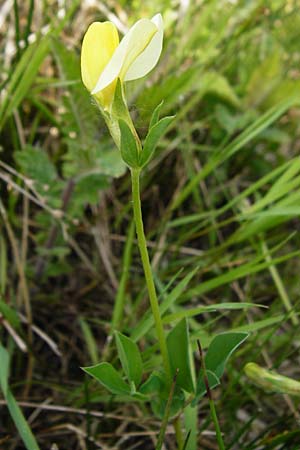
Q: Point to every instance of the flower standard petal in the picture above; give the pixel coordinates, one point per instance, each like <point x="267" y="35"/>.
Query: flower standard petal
<point x="131" y="46"/>
<point x="98" y="46"/>
<point x="148" y="59"/>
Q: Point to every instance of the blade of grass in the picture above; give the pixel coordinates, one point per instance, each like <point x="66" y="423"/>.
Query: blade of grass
<point x="244" y="138"/>
<point x="13" y="407"/>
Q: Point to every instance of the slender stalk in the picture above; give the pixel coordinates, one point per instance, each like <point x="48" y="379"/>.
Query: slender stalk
<point x="135" y="179"/>
<point x="213" y="412"/>
<point x="279" y="285"/>
<point x="178" y="433"/>
<point x="166" y="415"/>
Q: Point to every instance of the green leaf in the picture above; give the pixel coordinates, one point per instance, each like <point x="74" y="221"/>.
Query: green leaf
<point x="88" y="187"/>
<point x="220" y="349"/>
<point x="155" y="115"/>
<point x="20" y="422"/>
<point x="108" y="376"/>
<point x="119" y="107"/>
<point x="157" y="387"/>
<point x="190" y="312"/>
<point x="237" y="144"/>
<point x="213" y="381"/>
<point x="13" y="407"/>
<point x="178" y="349"/>
<point x="36" y="164"/>
<point x="24" y="74"/>
<point x="153" y="384"/>
<point x="265" y="78"/>
<point x="130" y="358"/>
<point x="4" y="369"/>
<point x="129" y="149"/>
<point x="90" y="341"/>
<point x="10" y="314"/>
<point x="152" y="138"/>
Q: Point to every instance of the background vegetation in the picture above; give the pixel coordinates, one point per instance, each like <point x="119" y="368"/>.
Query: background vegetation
<point x="221" y="197"/>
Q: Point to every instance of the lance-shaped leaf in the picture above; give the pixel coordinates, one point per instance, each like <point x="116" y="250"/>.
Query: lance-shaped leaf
<point x="129" y="148"/>
<point x="219" y="350"/>
<point x="155" y="115"/>
<point x="201" y="390"/>
<point x="130" y="358"/>
<point x="152" y="138"/>
<point x="12" y="405"/>
<point x="108" y="376"/>
<point x="178" y="348"/>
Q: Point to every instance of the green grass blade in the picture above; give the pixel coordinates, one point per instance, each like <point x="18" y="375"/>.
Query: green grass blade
<point x="13" y="407"/>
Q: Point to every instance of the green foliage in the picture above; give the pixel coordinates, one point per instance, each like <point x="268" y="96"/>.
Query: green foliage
<point x="109" y="377"/>
<point x="178" y="343"/>
<point x="155" y="133"/>
<point x="130" y="358"/>
<point x="129" y="147"/>
<point x="158" y="392"/>
<point x="218" y="353"/>
<point x="23" y="77"/>
<point x="12" y="405"/>
<point x="220" y="202"/>
<point x="35" y="163"/>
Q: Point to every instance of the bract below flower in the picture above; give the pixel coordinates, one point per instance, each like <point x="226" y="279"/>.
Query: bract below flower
<point x="104" y="60"/>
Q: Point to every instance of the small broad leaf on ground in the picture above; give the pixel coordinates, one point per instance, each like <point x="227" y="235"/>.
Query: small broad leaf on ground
<point x="109" y="377"/>
<point x="130" y="358"/>
<point x="178" y="348"/>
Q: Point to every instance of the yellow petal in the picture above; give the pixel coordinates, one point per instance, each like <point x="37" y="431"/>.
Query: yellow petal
<point x="98" y="46"/>
<point x="143" y="39"/>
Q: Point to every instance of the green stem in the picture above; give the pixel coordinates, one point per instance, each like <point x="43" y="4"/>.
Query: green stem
<point x="216" y="423"/>
<point x="213" y="412"/>
<point x="135" y="179"/>
<point x="178" y="432"/>
<point x="165" y="420"/>
<point x="279" y="285"/>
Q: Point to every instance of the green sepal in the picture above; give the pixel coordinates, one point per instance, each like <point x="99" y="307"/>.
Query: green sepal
<point x="179" y="355"/>
<point x="119" y="108"/>
<point x="152" y="138"/>
<point x="109" y="377"/>
<point x="129" y="146"/>
<point x="130" y="358"/>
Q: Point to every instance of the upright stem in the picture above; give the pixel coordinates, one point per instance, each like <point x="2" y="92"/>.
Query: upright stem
<point x="135" y="179"/>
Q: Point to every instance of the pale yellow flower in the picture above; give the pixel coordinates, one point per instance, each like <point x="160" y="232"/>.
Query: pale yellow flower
<point x="104" y="59"/>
